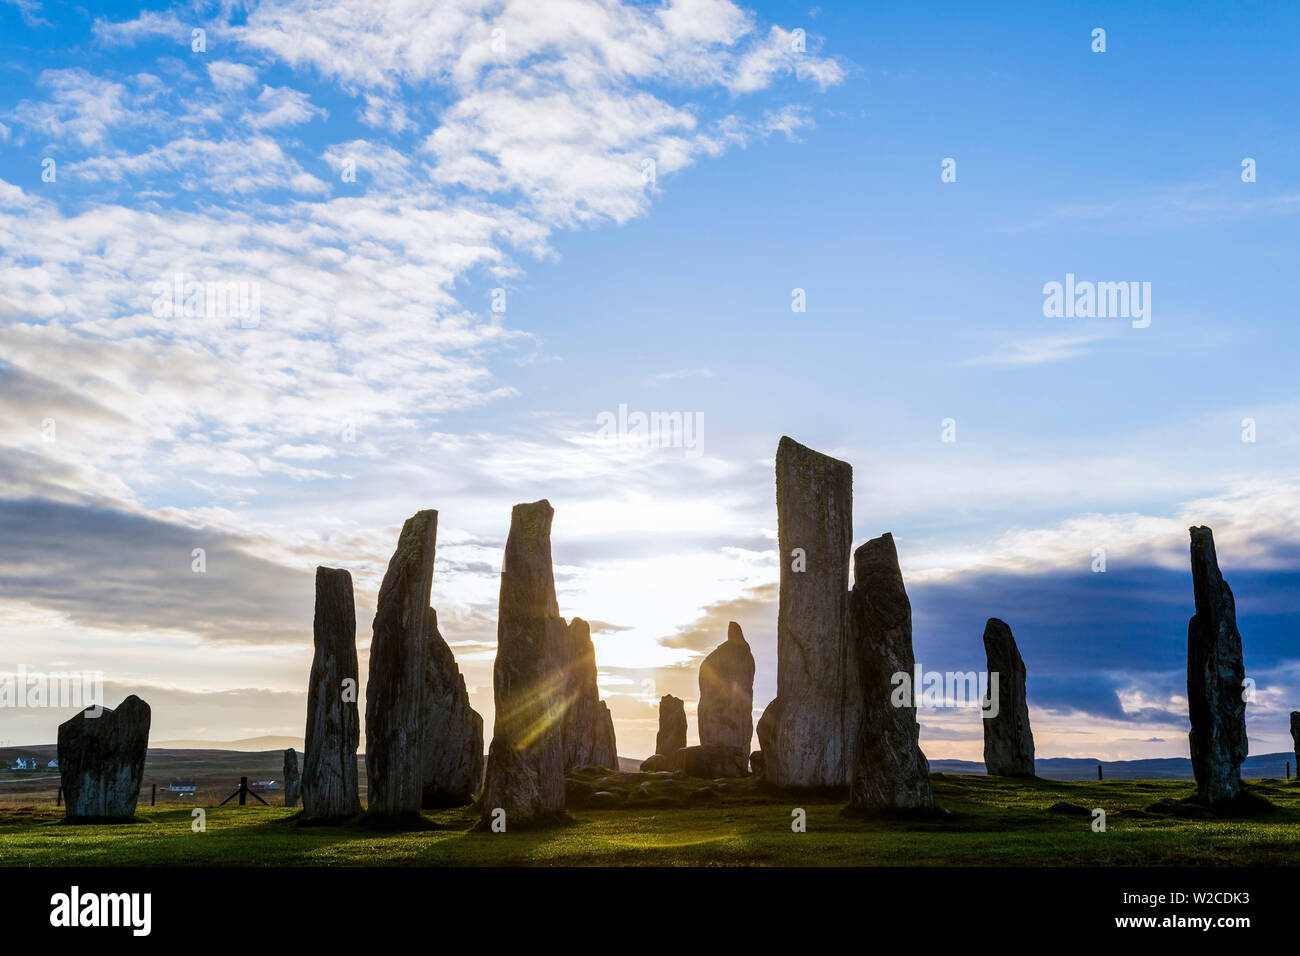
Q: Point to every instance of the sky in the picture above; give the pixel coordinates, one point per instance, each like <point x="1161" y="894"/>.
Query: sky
<point x="463" y="235"/>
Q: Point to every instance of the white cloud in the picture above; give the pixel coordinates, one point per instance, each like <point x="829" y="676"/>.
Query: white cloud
<point x="29" y="10"/>
<point x="778" y="56"/>
<point x="382" y="112"/>
<point x="80" y="107"/>
<point x="231" y="166"/>
<point x="281" y="106"/>
<point x="228" y="77"/>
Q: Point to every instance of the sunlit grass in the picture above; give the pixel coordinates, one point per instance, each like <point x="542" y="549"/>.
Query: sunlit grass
<point x="991" y="822"/>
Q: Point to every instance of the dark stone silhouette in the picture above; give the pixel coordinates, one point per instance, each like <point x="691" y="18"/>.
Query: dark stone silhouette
<point x="707" y="761"/>
<point x="891" y="772"/>
<point x="292" y="781"/>
<point x="672" y="725"/>
<point x="1008" y="741"/>
<point x="329" y="777"/>
<point x="451" y="733"/>
<point x="808" y="734"/>
<point x="1295" y="739"/>
<point x="588" y="725"/>
<point x="395" y="687"/>
<point x="726" y="712"/>
<point x="525" y="768"/>
<point x="1215" y="678"/>
<point x="101" y="761"/>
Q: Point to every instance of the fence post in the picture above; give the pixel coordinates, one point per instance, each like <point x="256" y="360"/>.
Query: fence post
<point x="58" y="797"/>
<point x="243" y="790"/>
<point x="1099" y="772"/>
<point x="153" y="797"/>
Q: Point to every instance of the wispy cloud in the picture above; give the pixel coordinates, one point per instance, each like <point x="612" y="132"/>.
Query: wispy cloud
<point x="681" y="374"/>
<point x="1023" y="350"/>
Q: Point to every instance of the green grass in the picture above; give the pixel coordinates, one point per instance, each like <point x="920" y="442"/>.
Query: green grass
<point x="992" y="821"/>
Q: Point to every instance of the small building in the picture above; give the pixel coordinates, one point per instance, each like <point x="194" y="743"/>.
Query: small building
<point x="24" y="763"/>
<point x="52" y="765"/>
<point x="183" y="786"/>
<point x="264" y="785"/>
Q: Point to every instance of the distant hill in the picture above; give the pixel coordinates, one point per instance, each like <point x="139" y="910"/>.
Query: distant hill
<point x="224" y="753"/>
<point x="247" y="745"/>
<point x="1153" y="768"/>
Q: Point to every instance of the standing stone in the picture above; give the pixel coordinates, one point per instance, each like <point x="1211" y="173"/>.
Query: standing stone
<point x="726" y="711"/>
<point x="808" y="734"/>
<point x="1216" y="676"/>
<point x="329" y="767"/>
<point x="101" y="761"/>
<point x="1008" y="741"/>
<point x="606" y="746"/>
<point x="292" y="782"/>
<point x="451" y="744"/>
<point x="891" y="772"/>
<point x="588" y="726"/>
<point x="525" y="767"/>
<point x="672" y="725"/>
<point x="1295" y="739"/>
<point x="395" y="687"/>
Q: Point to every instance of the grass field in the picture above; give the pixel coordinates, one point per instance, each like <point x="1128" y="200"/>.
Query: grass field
<point x="216" y="772"/>
<point x="991" y="821"/>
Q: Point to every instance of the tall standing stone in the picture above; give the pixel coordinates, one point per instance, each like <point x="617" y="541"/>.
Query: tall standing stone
<point x="1216" y="676"/>
<point x="329" y="766"/>
<point x="101" y="761"/>
<point x="292" y="781"/>
<point x="588" y="726"/>
<point x="1008" y="741"/>
<point x="891" y="772"/>
<point x="672" y="725"/>
<point x="395" y="687"/>
<point x="525" y="767"/>
<point x="1295" y="739"/>
<point x="808" y="734"/>
<point x="726" y="711"/>
<point x="451" y="743"/>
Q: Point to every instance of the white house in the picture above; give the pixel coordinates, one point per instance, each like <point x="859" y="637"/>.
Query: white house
<point x="183" y="786"/>
<point x="24" y="763"/>
<point x="53" y="765"/>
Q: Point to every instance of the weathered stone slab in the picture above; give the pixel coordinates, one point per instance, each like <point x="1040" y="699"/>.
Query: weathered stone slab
<point x="808" y="734"/>
<point x="525" y="767"/>
<point x="891" y="772"/>
<point x="726" y="711"/>
<point x="395" y="687"/>
<point x="451" y="744"/>
<point x="588" y="726"/>
<point x="1216" y="675"/>
<point x="706" y="761"/>
<point x="672" y="725"/>
<point x="329" y="779"/>
<point x="1008" y="740"/>
<point x="292" y="780"/>
<point x="101" y="761"/>
<point x="1295" y="739"/>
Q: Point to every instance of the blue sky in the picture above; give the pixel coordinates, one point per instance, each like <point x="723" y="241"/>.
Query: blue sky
<point x="519" y="166"/>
